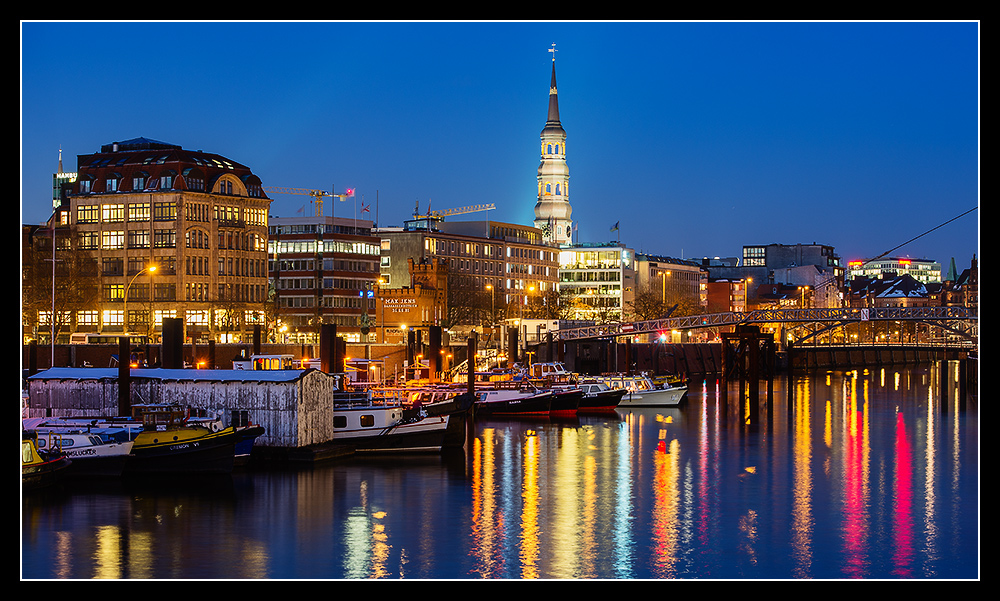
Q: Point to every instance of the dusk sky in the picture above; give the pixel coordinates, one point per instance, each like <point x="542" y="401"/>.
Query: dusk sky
<point x="698" y="138"/>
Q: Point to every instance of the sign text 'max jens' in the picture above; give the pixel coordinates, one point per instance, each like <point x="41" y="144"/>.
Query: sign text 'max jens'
<point x="400" y="305"/>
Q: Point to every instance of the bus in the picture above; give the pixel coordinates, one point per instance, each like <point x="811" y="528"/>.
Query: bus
<point x="95" y="338"/>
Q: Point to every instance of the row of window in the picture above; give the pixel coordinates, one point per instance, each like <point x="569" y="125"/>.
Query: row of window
<point x="328" y="265"/>
<point x="167" y="211"/>
<point x="283" y="247"/>
<point x="118" y="239"/>
<point x="116" y="317"/>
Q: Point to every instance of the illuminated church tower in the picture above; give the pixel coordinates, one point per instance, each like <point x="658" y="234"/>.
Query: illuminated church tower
<point x="552" y="212"/>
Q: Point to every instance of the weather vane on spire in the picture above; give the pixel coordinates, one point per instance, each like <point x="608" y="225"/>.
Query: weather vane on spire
<point x="553" y="51"/>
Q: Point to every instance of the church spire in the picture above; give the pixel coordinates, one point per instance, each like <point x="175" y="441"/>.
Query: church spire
<point x="553" y="119"/>
<point x="553" y="211"/>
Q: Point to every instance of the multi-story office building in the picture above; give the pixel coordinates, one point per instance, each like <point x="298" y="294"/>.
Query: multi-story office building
<point x="323" y="270"/>
<point x="678" y="281"/>
<point x="924" y="271"/>
<point x="598" y="280"/>
<point x="508" y="262"/>
<point x="152" y="230"/>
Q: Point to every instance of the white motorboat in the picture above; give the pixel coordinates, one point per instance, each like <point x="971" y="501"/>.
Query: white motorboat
<point x="372" y="427"/>
<point x="640" y="391"/>
<point x="90" y="454"/>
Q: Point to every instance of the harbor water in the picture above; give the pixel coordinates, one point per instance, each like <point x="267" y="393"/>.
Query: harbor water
<point x="865" y="474"/>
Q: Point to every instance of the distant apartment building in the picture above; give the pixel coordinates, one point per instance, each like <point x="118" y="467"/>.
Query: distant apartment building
<point x="725" y="296"/>
<point x="145" y="231"/>
<point x="323" y="270"/>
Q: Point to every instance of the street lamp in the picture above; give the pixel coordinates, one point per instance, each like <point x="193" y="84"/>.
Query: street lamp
<point x="150" y="269"/>
<point x="493" y="308"/>
<point x="663" y="276"/>
<point x="522" y="344"/>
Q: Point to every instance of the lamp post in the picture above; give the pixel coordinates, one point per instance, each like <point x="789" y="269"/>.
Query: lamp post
<point x="522" y="344"/>
<point x="150" y="269"/>
<point x="489" y="287"/>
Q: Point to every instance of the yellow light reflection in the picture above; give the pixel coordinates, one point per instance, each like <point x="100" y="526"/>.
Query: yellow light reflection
<point x="529" y="510"/>
<point x="802" y="482"/>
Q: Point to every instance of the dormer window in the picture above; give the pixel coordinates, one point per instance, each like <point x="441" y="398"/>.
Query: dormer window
<point x="167" y="180"/>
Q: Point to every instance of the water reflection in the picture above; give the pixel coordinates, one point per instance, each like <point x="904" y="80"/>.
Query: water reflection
<point x="860" y="474"/>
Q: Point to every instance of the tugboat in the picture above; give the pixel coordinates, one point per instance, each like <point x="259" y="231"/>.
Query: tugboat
<point x="167" y="444"/>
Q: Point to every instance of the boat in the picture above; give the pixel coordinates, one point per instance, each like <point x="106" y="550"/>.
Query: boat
<point x="641" y="392"/>
<point x="598" y="397"/>
<point x="247" y="433"/>
<point x="520" y="400"/>
<point x="40" y="468"/>
<point x="166" y="439"/>
<point x="91" y="454"/>
<point x="551" y="373"/>
<point x="565" y="401"/>
<point x="168" y="444"/>
<point x="370" y="424"/>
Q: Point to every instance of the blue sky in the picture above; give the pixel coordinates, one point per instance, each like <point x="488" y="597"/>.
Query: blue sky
<point x="698" y="138"/>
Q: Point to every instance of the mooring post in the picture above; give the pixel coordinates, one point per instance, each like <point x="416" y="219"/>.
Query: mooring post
<point x="471" y="363"/>
<point x="124" y="376"/>
<point x="753" y="358"/>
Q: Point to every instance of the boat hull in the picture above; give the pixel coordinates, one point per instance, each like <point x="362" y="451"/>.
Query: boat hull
<point x="244" y="444"/>
<point x="41" y="469"/>
<point x="665" y="397"/>
<point x="44" y="474"/>
<point x="536" y="405"/>
<point x="424" y="436"/>
<point x="183" y="451"/>
<point x="566" y="403"/>
<point x="98" y="466"/>
<point x="605" y="401"/>
<point x="389" y="428"/>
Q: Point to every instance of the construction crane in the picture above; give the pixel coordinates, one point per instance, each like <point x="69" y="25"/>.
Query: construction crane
<point x="316" y="194"/>
<point x="459" y="211"/>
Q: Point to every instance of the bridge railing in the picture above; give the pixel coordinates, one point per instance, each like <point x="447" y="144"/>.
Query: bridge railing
<point x="846" y="315"/>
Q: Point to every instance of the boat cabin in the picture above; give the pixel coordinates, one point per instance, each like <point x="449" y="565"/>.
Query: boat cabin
<point x="555" y="372"/>
<point x="265" y="362"/>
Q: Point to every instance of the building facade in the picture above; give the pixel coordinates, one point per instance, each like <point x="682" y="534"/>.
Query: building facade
<point x="679" y="281"/>
<point x="509" y="263"/>
<point x="323" y="270"/>
<point x="415" y="307"/>
<point x="151" y="230"/>
<point x="597" y="280"/>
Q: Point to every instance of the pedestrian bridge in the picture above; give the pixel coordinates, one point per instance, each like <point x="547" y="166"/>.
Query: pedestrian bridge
<point x="959" y="321"/>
